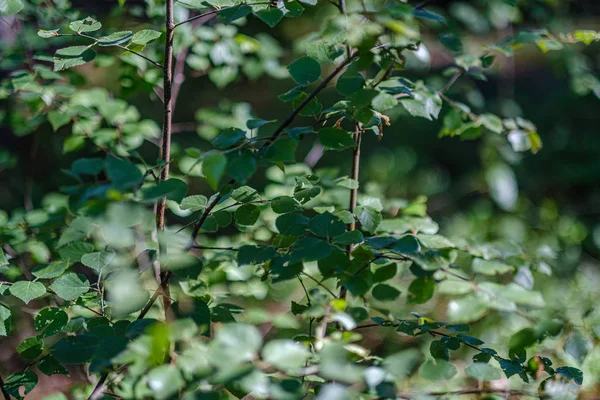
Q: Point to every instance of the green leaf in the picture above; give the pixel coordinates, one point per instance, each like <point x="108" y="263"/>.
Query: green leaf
<point x="115" y="38"/>
<point x="247" y="214"/>
<point x="291" y="224"/>
<point x="270" y="16"/>
<point x="30" y="348"/>
<point x="98" y="260"/>
<point x="213" y="168"/>
<point x="451" y="42"/>
<point x="228" y="138"/>
<point x="305" y="70"/>
<point x="255" y="254"/>
<point x="164" y="381"/>
<point x="286" y="355"/>
<point x="368" y="218"/>
<point x="245" y="194"/>
<point x="27" y="290"/>
<point x="578" y="347"/>
<point x="3" y="260"/>
<point x="383" y="292"/>
<point x="50" y="320"/>
<point x="294" y="9"/>
<point x="88" y="24"/>
<point x="421" y="290"/>
<point x="10" y="7"/>
<point x="173" y="189"/>
<point x="236" y="343"/>
<point x="483" y="372"/>
<point x="492" y="122"/>
<point x="87" y="166"/>
<point x="75" y="349"/>
<point x="14" y="382"/>
<point x="455" y="287"/>
<point x="348" y="238"/>
<point x="194" y="203"/>
<point x="52" y="270"/>
<point x="74" y="56"/>
<point x="5" y="320"/>
<point x="145" y="36"/>
<point x="511" y="367"/>
<point x="349" y="82"/>
<point x="241" y="165"/>
<point x="310" y="249"/>
<point x="257" y="123"/>
<point x="46" y="34"/>
<point x="123" y="174"/>
<point x="521" y="340"/>
<point x="385" y="272"/>
<point x="70" y="286"/>
<point x="49" y="365"/>
<point x="282" y="150"/>
<point x="490" y="267"/>
<point x="336" y="139"/>
<point x="383" y="102"/>
<point x="285" y="204"/>
<point x="228" y="15"/>
<point x="326" y="226"/>
<point x="407" y="245"/>
<point x="439" y="351"/>
<point x="438" y="370"/>
<point x="571" y="373"/>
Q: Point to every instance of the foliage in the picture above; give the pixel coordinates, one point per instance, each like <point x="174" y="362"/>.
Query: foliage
<point x="261" y="289"/>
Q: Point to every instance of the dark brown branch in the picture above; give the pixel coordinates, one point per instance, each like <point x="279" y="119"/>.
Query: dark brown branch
<point x="3" y="389"/>
<point x="201" y="220"/>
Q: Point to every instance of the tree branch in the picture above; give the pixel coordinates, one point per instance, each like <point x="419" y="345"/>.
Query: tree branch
<point x="353" y="193"/>
<point x="311" y="96"/>
<point x="212" y="12"/>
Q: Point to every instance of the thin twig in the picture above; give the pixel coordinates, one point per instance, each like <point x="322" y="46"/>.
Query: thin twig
<point x="452" y="81"/>
<point x="319" y="283"/>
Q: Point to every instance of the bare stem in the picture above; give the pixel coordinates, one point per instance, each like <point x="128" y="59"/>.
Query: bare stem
<point x="353" y="192"/>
